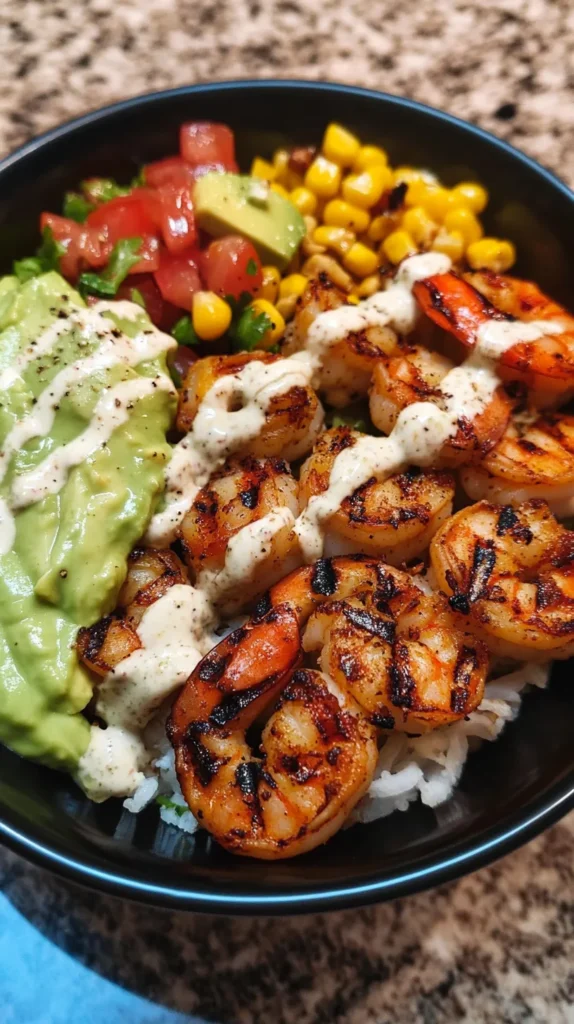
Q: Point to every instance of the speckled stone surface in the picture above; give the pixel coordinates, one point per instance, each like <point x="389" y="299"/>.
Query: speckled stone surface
<point x="495" y="948"/>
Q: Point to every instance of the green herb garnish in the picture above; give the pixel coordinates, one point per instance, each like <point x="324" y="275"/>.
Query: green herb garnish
<point x="171" y="805"/>
<point x="139" y="180"/>
<point x="355" y="416"/>
<point x="76" y="207"/>
<point x="47" y="258"/>
<point x="251" y="268"/>
<point x="249" y="329"/>
<point x="137" y="297"/>
<point x="125" y="254"/>
<point x="184" y="332"/>
<point x="101" y="190"/>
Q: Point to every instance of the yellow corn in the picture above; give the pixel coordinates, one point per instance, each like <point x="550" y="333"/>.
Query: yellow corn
<point x="277" y="322"/>
<point x="471" y="194"/>
<point x="451" y="243"/>
<point x="323" y="178"/>
<point x="380" y="227"/>
<point x="279" y="189"/>
<point x="491" y="254"/>
<point x="369" y="156"/>
<point x="340" y="146"/>
<point x="304" y="200"/>
<point x="368" y="286"/>
<point x="338" y="239"/>
<point x="293" y="284"/>
<point x="211" y="316"/>
<point x="270" y="283"/>
<point x="283" y="173"/>
<point x="263" y="169"/>
<point x="365" y="189"/>
<point x="435" y="199"/>
<point x="353" y="300"/>
<point x="360" y="260"/>
<point x="410" y="175"/>
<point x="419" y="226"/>
<point x="463" y="220"/>
<point x="344" y="215"/>
<point x="398" y="245"/>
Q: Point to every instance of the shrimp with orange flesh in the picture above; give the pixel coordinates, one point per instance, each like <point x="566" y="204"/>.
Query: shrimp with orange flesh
<point x="510" y="572"/>
<point x="318" y="748"/>
<point x="246" y="511"/>
<point x="150" y="575"/>
<point x="534" y="460"/>
<point x="346" y="373"/>
<point x="415" y="374"/>
<point x="293" y="417"/>
<point x="394" y="519"/>
<point x="544" y="362"/>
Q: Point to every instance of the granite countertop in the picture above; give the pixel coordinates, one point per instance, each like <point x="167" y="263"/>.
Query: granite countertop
<point x="495" y="947"/>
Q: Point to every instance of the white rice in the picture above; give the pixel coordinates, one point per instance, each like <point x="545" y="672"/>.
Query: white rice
<point x="409" y="768"/>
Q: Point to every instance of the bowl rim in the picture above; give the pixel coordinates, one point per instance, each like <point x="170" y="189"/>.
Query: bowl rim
<point x="437" y="867"/>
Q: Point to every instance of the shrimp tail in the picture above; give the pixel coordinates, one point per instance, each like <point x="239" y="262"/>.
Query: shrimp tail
<point x="457" y="307"/>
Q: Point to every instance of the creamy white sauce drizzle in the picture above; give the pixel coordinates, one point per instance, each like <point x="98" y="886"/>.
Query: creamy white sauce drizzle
<point x="245" y="552"/>
<point x="231" y="414"/>
<point x="111" y="411"/>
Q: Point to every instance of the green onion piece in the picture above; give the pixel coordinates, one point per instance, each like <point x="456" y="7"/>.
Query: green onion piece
<point x="76" y="207"/>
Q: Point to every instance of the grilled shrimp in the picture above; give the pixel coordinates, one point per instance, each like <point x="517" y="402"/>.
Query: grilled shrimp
<point x="238" y="536"/>
<point x="414" y="374"/>
<point x="531" y="461"/>
<point x="510" y="570"/>
<point x="346" y="373"/>
<point x="319" y="747"/>
<point x="293" y="418"/>
<point x="150" y="575"/>
<point x="394" y="519"/>
<point x="544" y="363"/>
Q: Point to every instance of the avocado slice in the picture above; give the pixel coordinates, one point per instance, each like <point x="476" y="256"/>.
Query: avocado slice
<point x="229" y="204"/>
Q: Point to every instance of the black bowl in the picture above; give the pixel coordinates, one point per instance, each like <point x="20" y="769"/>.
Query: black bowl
<point x="510" y="789"/>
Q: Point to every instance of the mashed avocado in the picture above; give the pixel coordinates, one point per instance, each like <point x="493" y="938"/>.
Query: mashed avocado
<point x="68" y="560"/>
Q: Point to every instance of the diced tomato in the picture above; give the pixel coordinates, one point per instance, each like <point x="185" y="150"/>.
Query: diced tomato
<point x="171" y="171"/>
<point x="171" y="209"/>
<point x="203" y="142"/>
<point x="149" y="292"/>
<point x="124" y="217"/>
<point x="178" y="277"/>
<point x="150" y="252"/>
<point x="82" y="244"/>
<point x="231" y="266"/>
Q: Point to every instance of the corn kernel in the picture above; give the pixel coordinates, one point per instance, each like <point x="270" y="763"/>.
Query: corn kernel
<point x="380" y="227"/>
<point x="270" y="279"/>
<point x="280" y="161"/>
<point x="360" y="260"/>
<point x="338" y="239"/>
<point x="344" y="215"/>
<point x="398" y="245"/>
<point x="304" y="200"/>
<point x="435" y="199"/>
<point x="279" y="189"/>
<point x="353" y="300"/>
<point x="471" y="194"/>
<point x="451" y="243"/>
<point x="365" y="189"/>
<point x="369" y="156"/>
<point x="420" y="226"/>
<point x="410" y="175"/>
<point x="293" y="284"/>
<point x="277" y="322"/>
<point x="491" y="254"/>
<point x="368" y="286"/>
<point x="323" y="178"/>
<point x="463" y="220"/>
<point x="340" y="146"/>
<point x="263" y="169"/>
<point x="211" y="316"/>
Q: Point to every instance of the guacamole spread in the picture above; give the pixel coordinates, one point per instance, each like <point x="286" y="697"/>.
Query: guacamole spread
<point x="85" y="403"/>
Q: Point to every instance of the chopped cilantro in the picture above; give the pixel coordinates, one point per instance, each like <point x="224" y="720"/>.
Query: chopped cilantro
<point x="184" y="332"/>
<point x="76" y="207"/>
<point x="249" y="329"/>
<point x="47" y="258"/>
<point x="355" y="416"/>
<point x="139" y="180"/>
<point x="251" y="268"/>
<point x="101" y="190"/>
<point x="125" y="255"/>
<point x="137" y="297"/>
<point x="171" y="805"/>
